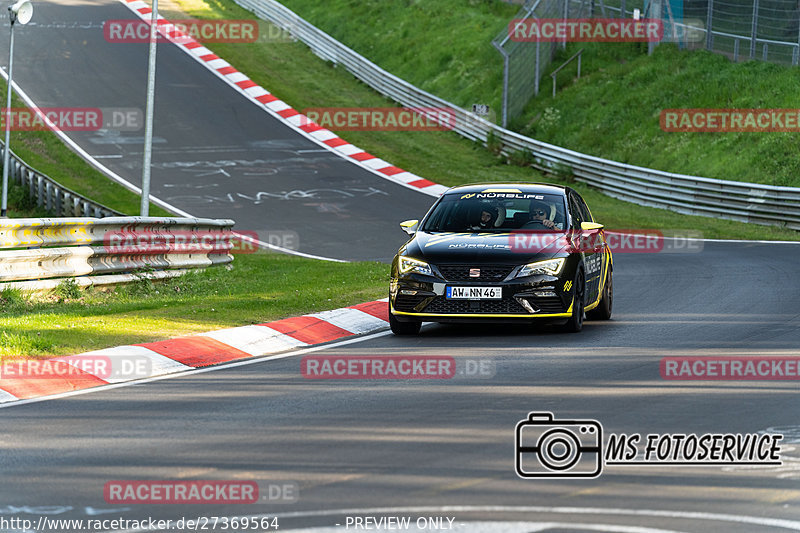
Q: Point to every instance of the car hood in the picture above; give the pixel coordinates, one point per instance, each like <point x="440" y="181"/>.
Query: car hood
<point x="475" y="248"/>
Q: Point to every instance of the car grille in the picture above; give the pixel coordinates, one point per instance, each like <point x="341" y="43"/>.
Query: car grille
<point x="407" y="303"/>
<point x="548" y="305"/>
<point x="506" y="306"/>
<point x="488" y="272"/>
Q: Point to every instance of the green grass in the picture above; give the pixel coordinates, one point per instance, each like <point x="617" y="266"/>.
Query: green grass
<point x="445" y="47"/>
<point x="261" y="287"/>
<point x="20" y="205"/>
<point x="44" y="151"/>
<point x="299" y="77"/>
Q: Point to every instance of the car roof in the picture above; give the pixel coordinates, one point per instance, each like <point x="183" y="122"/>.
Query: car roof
<point x="544" y="188"/>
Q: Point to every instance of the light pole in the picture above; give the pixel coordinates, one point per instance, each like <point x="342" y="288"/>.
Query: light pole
<point x="148" y="125"/>
<point x="20" y="12"/>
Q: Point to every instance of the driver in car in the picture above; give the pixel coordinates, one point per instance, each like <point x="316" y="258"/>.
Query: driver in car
<point x="538" y="212"/>
<point x="488" y="218"/>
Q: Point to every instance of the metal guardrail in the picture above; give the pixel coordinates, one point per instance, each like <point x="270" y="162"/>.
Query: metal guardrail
<point x="99" y="251"/>
<point x="51" y="195"/>
<point x="694" y="195"/>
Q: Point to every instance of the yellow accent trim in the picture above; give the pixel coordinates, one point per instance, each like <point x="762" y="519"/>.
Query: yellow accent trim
<point x="481" y="315"/>
<point x="602" y="287"/>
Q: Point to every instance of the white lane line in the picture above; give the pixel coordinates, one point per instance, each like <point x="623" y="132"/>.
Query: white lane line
<point x="194" y="371"/>
<point x="91" y="160"/>
<point x="289" y="251"/>
<point x="133" y="188"/>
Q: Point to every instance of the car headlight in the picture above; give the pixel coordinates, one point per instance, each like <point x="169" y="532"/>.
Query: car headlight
<point x="408" y="264"/>
<point x="551" y="267"/>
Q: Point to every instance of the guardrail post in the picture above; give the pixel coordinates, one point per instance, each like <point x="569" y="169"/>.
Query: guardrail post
<point x="39" y="191"/>
<point x="86" y="211"/>
<point x="754" y="30"/>
<point x="59" y="200"/>
<point x="48" y="196"/>
<point x="736" y="50"/>
<point x="622" y="11"/>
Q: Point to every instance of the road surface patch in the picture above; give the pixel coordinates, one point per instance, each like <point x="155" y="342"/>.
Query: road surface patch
<point x="280" y="109"/>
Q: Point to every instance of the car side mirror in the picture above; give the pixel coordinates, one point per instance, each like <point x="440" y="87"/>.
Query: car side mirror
<point x="591" y="226"/>
<point x="409" y="226"/>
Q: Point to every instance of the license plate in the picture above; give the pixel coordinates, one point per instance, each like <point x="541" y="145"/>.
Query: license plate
<point x="474" y="293"/>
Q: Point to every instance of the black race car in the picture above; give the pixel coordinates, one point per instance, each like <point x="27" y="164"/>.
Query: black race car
<point x="511" y="252"/>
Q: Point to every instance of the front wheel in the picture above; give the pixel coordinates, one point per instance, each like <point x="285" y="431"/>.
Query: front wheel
<point x="403" y="328"/>
<point x="575" y="322"/>
<point x="603" y="309"/>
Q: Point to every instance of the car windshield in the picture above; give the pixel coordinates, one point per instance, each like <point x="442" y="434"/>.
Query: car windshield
<point x="495" y="213"/>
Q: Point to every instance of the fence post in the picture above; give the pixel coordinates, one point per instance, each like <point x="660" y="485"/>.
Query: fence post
<point x="622" y="11"/>
<point x="655" y="13"/>
<point x="796" y="55"/>
<point x="506" y="60"/>
<point x="754" y="30"/>
<point x="536" y="71"/>
<point x="709" y="22"/>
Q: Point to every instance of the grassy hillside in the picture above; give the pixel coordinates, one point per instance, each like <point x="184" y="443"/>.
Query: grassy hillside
<point x="613" y="111"/>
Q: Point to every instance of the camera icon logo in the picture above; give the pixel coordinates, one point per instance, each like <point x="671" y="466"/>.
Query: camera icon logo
<point x="549" y="448"/>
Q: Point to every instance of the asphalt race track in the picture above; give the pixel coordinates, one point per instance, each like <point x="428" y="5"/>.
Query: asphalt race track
<point x="215" y="153"/>
<point x="423" y="448"/>
<point x="432" y="444"/>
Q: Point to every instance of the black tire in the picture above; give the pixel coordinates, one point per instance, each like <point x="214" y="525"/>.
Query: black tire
<point x="603" y="309"/>
<point x="575" y="322"/>
<point x="403" y="328"/>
